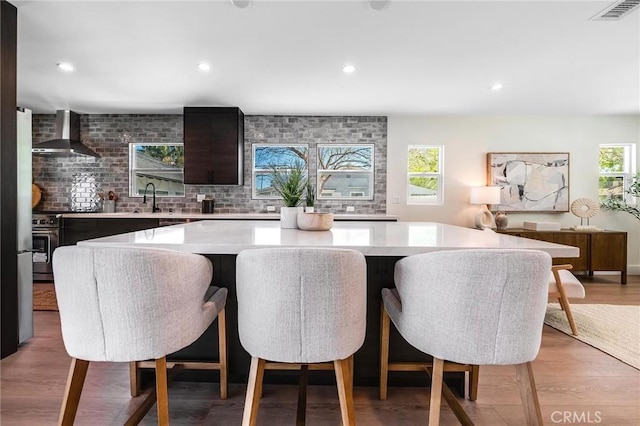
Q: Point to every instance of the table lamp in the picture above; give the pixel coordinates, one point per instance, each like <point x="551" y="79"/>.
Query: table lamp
<point x="484" y="195"/>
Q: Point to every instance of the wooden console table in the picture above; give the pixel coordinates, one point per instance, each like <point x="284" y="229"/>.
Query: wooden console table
<point x="599" y="250"/>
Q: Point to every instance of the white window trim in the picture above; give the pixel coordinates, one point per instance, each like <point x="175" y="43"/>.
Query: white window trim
<point x="629" y="167"/>
<point x="440" y="175"/>
<point x="370" y="172"/>
<point x="255" y="172"/>
<point x="133" y="169"/>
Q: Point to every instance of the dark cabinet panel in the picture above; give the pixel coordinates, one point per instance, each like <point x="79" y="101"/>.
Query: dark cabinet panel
<point x="599" y="251"/>
<point x="367" y="370"/>
<point x="609" y="252"/>
<point x="79" y="229"/>
<point x="74" y="230"/>
<point x="213" y="145"/>
<point x="8" y="195"/>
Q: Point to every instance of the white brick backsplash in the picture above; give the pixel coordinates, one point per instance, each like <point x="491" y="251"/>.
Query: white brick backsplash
<point x="65" y="181"/>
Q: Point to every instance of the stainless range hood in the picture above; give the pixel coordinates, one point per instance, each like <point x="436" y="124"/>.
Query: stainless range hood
<point x="67" y="139"/>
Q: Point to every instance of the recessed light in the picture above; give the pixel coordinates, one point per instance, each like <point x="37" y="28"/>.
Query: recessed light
<point x="203" y="66"/>
<point x="348" y="69"/>
<point x="496" y="87"/>
<point x="379" y="4"/>
<point x="65" y="66"/>
<point x="241" y="4"/>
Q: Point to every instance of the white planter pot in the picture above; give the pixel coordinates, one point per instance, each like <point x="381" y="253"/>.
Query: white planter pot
<point x="309" y="209"/>
<point x="289" y="216"/>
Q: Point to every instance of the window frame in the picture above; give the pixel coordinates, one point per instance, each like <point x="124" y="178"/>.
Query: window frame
<point x="255" y="172"/>
<point x="439" y="175"/>
<point x="133" y="169"/>
<point x="368" y="172"/>
<point x="628" y="169"/>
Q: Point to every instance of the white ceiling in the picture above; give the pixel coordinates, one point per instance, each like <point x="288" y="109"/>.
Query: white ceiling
<point x="286" y="57"/>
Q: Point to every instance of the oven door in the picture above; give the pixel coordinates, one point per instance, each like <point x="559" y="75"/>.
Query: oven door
<point x="43" y="245"/>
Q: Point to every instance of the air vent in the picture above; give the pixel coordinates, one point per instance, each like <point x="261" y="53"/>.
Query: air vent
<point x="617" y="11"/>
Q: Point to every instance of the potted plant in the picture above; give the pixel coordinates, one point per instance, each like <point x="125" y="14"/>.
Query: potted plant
<point x="290" y="185"/>
<point x="310" y="197"/>
<point x="617" y="203"/>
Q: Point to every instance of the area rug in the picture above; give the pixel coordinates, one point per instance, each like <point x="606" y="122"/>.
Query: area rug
<point x="44" y="297"/>
<point x="614" y="329"/>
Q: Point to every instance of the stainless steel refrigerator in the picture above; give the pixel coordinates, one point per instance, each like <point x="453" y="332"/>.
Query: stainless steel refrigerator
<point x="25" y="256"/>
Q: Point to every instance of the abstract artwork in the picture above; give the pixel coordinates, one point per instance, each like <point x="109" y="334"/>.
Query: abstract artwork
<point x="530" y="182"/>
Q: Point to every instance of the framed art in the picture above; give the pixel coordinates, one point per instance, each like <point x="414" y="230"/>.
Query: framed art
<point x="530" y="181"/>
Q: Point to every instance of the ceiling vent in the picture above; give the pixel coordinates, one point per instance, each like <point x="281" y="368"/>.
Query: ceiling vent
<point x="617" y="10"/>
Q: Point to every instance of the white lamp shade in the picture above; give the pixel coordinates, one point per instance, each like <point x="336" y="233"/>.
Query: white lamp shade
<point x="485" y="195"/>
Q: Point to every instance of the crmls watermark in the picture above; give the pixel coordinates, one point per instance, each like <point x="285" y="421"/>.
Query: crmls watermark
<point x="576" y="417"/>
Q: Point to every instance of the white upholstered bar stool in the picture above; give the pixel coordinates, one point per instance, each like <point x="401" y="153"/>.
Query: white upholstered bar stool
<point x="476" y="307"/>
<point x="131" y="305"/>
<point x="301" y="306"/>
<point x="564" y="285"/>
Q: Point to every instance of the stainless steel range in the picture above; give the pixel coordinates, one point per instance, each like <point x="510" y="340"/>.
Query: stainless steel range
<point x="46" y="238"/>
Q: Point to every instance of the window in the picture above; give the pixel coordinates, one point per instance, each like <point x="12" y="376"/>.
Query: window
<point x="424" y="177"/>
<point x="161" y="164"/>
<point x="345" y="172"/>
<point x="269" y="156"/>
<point x="617" y="167"/>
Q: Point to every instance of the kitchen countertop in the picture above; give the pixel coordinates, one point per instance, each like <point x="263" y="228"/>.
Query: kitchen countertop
<point x="370" y="238"/>
<point x="219" y="216"/>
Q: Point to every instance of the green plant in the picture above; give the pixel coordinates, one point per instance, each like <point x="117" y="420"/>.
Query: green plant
<point x="289" y="184"/>
<point x="310" y="194"/>
<point x="617" y="203"/>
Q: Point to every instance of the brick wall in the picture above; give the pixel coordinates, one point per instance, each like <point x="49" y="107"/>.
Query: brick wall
<point x="74" y="183"/>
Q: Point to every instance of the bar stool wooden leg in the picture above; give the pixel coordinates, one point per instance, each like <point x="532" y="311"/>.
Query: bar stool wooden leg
<point x="528" y="394"/>
<point x="451" y="400"/>
<point x="351" y="361"/>
<point x="344" y="392"/>
<point x="75" y="381"/>
<point x="254" y="390"/>
<point x="572" y="324"/>
<point x="134" y="378"/>
<point x="436" y="391"/>
<point x="384" y="351"/>
<point x="222" y="350"/>
<point x="474" y="376"/>
<point x="564" y="303"/>
<point x="162" y="391"/>
<point x="302" y="395"/>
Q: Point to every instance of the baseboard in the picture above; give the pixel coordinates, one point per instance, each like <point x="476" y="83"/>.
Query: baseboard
<point x="631" y="270"/>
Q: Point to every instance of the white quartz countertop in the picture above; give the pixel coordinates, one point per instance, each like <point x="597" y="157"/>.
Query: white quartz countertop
<point x="370" y="238"/>
<point x="217" y="216"/>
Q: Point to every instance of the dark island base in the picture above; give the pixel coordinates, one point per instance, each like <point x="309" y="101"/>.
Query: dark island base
<point x="366" y="363"/>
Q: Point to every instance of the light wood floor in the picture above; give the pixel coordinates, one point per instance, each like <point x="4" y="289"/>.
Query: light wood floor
<point x="571" y="377"/>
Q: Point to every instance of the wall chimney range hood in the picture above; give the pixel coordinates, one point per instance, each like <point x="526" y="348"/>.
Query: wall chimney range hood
<point x="67" y="139"/>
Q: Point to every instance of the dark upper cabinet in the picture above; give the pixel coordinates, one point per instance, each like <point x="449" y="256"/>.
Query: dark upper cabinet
<point x="213" y="145"/>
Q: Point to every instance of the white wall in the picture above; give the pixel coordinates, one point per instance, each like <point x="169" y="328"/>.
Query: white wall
<point x="467" y="140"/>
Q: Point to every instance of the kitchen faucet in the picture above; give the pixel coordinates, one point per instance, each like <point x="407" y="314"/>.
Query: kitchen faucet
<point x="154" y="208"/>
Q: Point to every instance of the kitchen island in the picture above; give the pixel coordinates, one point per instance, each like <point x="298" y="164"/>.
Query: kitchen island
<point x="371" y="238"/>
<point x="382" y="243"/>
